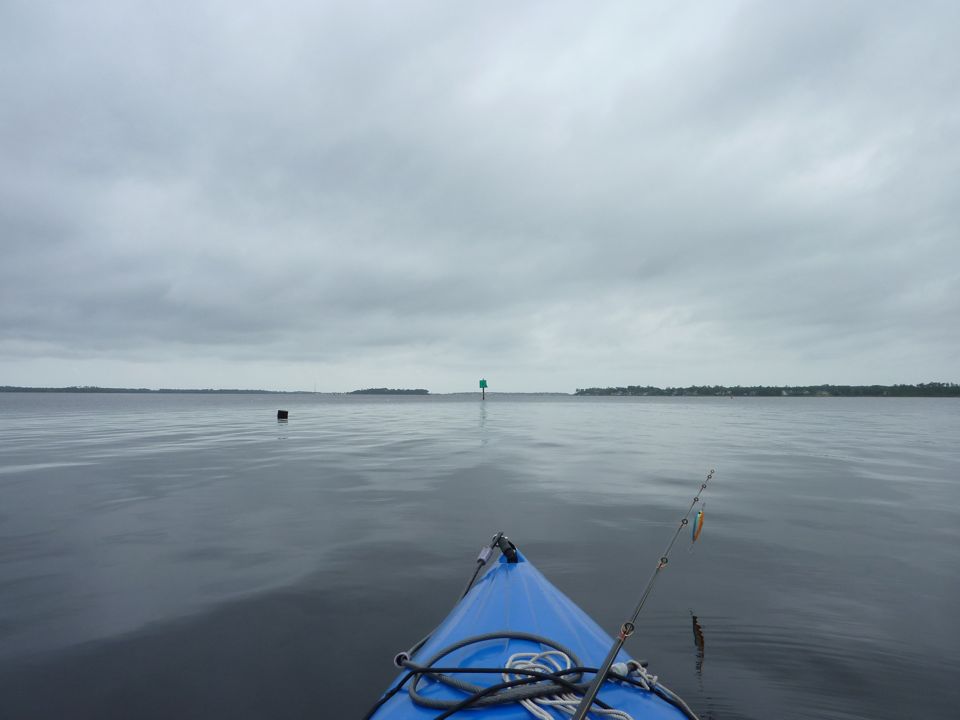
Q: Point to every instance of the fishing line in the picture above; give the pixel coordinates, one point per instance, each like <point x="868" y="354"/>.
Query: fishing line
<point x="626" y="630"/>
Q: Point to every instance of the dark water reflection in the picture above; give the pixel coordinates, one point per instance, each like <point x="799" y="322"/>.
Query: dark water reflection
<point x="188" y="556"/>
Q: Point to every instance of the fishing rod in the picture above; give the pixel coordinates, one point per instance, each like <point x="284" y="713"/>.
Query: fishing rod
<point x="626" y="630"/>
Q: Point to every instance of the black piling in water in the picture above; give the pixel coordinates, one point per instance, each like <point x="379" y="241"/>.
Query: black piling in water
<point x="282" y="414"/>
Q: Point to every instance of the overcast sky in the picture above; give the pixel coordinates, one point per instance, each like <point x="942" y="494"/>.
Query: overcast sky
<point x="553" y="195"/>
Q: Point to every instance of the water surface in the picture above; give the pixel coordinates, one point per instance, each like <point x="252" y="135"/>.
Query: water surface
<point x="189" y="556"/>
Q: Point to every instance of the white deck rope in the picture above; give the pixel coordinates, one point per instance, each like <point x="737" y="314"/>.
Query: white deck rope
<point x="552" y="661"/>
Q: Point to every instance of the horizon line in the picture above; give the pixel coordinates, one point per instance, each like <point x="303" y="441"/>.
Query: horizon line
<point x="594" y="390"/>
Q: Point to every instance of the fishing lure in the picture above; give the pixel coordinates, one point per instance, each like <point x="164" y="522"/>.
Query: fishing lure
<point x="697" y="527"/>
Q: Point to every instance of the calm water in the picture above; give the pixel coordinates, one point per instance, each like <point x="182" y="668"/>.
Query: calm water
<point x="189" y="556"/>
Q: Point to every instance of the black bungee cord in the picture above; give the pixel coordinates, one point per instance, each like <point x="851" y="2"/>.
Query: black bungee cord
<point x="537" y="683"/>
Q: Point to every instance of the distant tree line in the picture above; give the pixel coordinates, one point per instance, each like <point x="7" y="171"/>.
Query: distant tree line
<point x="931" y="389"/>
<point x="390" y="391"/>
<point x="95" y="389"/>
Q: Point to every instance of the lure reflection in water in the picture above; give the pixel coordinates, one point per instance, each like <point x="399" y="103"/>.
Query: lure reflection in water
<point x="698" y="640"/>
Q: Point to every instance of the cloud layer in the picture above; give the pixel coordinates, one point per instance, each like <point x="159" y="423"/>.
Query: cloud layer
<point x="288" y="194"/>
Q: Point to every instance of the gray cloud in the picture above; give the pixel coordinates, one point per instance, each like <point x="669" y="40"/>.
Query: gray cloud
<point x="551" y="195"/>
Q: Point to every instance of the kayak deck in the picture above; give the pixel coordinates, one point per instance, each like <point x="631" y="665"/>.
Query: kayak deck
<point x="513" y="598"/>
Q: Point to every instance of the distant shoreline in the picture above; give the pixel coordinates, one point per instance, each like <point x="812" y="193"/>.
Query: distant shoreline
<point x="390" y="391"/>
<point x="161" y="391"/>
<point x="92" y="389"/>
<point x="932" y="389"/>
